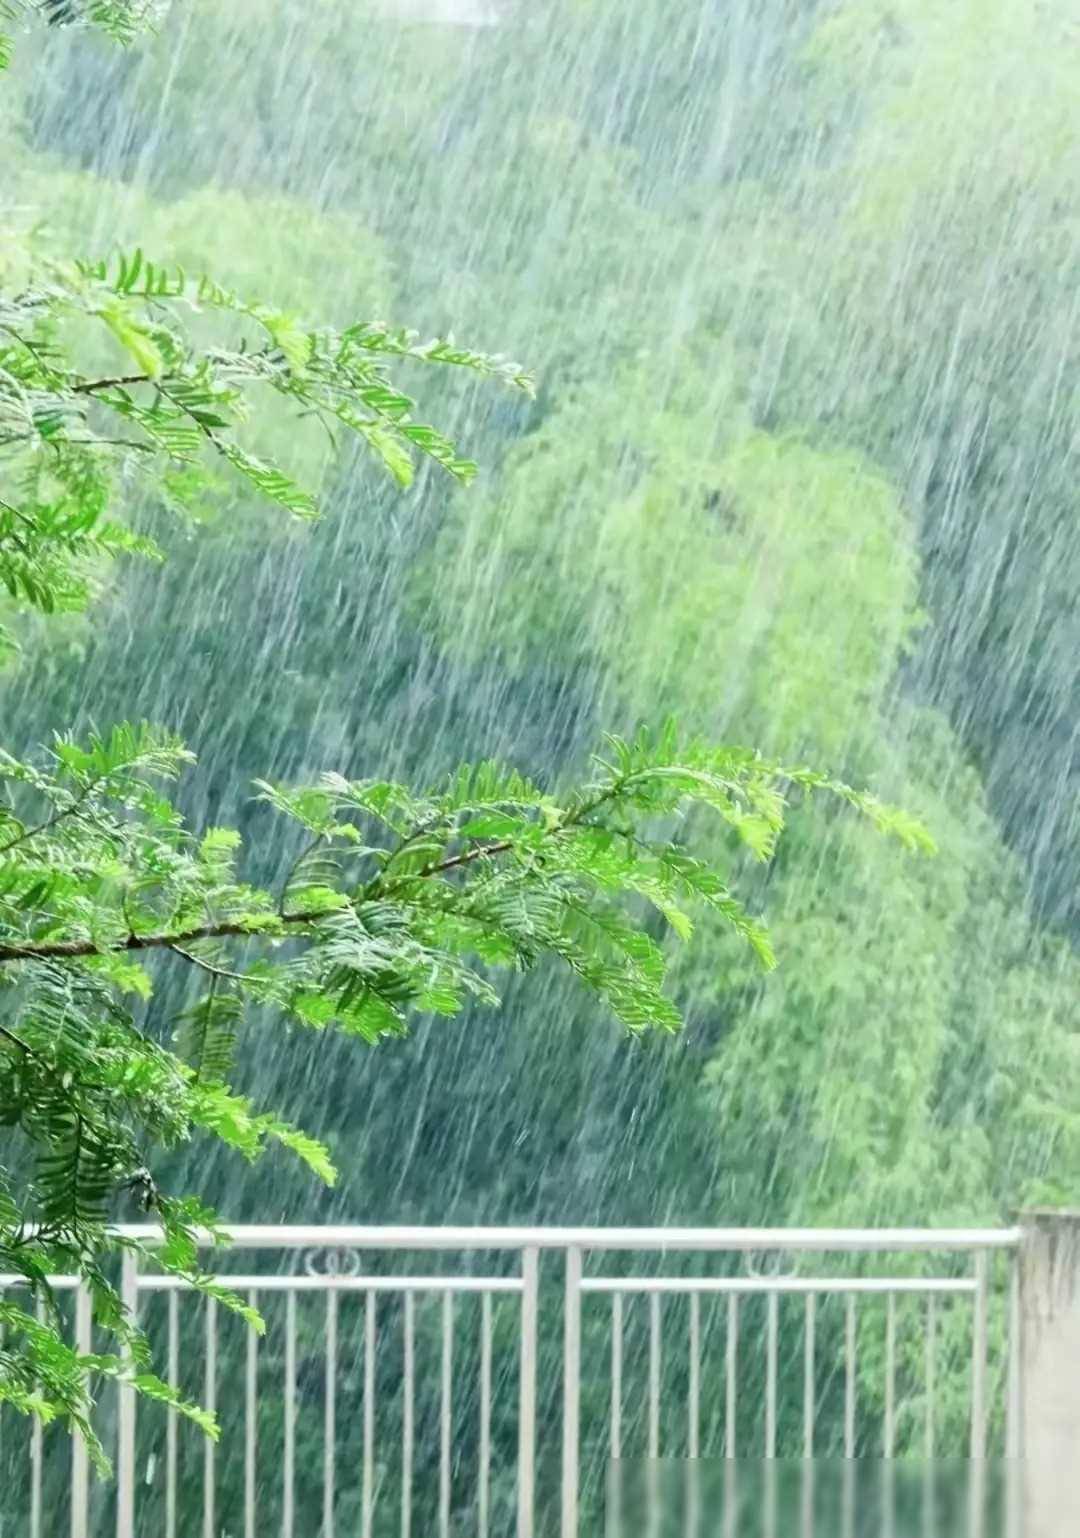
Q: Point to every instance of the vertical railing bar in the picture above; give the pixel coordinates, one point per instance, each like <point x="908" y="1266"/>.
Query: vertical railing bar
<point x="731" y="1373"/>
<point x="849" y="1377"/>
<point x="652" y="1524"/>
<point x="1013" y="1430"/>
<point x="368" y="1497"/>
<point x="979" y="1333"/>
<point x="172" y="1426"/>
<point x="1012" y="1383"/>
<point x="36" y="1451"/>
<point x="809" y="1376"/>
<point x="693" y="1434"/>
<point x="888" y="1498"/>
<point x="616" y="1373"/>
<point x="125" y="1429"/>
<point x="652" y="1471"/>
<point x="446" y="1411"/>
<point x="530" y="1277"/>
<point x="768" y="1503"/>
<point x="330" y="1414"/>
<point x="731" y="1498"/>
<point x="571" y="1391"/>
<point x="888" y="1479"/>
<point x="251" y="1381"/>
<point x="288" y="1467"/>
<point x="772" y="1335"/>
<point x="847" y="1500"/>
<point x="210" y="1403"/>
<point x="931" y="1373"/>
<point x="691" y="1495"/>
<point x="929" y="1482"/>
<point x="652" y="1500"/>
<point x="655" y="1349"/>
<point x="407" y="1417"/>
<point x="807" y="1500"/>
<point x="979" y="1350"/>
<point x="890" y="1374"/>
<point x="929" y="1499"/>
<point x="80" y="1460"/>
<point x="484" y="1492"/>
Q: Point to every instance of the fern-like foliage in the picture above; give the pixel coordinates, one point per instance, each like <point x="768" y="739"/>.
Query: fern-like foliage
<point x="68" y="436"/>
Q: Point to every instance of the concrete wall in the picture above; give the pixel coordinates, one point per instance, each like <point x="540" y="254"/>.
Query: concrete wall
<point x="1050" y="1374"/>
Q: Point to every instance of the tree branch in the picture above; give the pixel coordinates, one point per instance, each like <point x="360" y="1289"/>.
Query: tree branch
<point x="465" y="858"/>
<point x="116" y="443"/>
<point x="91" y="386"/>
<point x="71" y="810"/>
<point x="208" y="966"/>
<point x="72" y="950"/>
<point x="68" y="950"/>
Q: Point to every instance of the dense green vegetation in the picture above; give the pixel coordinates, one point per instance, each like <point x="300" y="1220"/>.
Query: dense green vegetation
<point x="801" y="469"/>
<point x="772" y="482"/>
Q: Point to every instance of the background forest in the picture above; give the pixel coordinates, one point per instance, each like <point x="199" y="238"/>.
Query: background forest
<point x="799" y="284"/>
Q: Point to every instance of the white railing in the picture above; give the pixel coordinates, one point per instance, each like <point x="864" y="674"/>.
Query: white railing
<point x="453" y="1393"/>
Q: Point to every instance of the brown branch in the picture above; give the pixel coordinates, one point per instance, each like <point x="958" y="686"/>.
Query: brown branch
<point x="466" y="857"/>
<point x="208" y="966"/>
<point x="91" y="386"/>
<point x="67" y="950"/>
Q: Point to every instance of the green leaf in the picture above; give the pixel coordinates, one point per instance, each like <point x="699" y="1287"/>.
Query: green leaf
<point x="135" y="337"/>
<point x="313" y="1153"/>
<point x="271" y="482"/>
<point x="155" y="1388"/>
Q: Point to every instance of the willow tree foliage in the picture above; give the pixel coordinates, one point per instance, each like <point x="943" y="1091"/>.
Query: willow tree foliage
<point x="122" y="385"/>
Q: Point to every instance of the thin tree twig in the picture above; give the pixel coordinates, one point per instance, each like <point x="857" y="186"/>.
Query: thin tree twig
<point x="50" y="822"/>
<point x="208" y="966"/>
<point x="92" y="386"/>
<point x="466" y="857"/>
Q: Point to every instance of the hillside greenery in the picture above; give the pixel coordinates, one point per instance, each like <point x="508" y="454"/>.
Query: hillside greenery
<point x="799" y="469"/>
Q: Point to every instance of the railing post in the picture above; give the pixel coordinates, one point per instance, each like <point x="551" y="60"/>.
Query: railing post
<point x="979" y="1330"/>
<point x="80" y="1462"/>
<point x="571" y="1392"/>
<point x="530" y="1274"/>
<point x="979" y="1347"/>
<point x="125" y="1443"/>
<point x="1049" y="1431"/>
<point x="210" y="1403"/>
<point x="1013" y="1468"/>
<point x="36" y="1453"/>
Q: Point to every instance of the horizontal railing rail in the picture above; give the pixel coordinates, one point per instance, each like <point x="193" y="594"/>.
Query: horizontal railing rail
<point x="706" y="1240"/>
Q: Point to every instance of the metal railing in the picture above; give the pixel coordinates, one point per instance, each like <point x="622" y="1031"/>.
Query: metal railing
<point x="439" y="1380"/>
